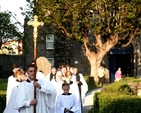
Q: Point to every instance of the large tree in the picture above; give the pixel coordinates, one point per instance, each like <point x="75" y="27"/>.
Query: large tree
<point x="111" y="22"/>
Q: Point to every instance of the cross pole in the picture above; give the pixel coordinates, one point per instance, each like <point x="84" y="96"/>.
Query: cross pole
<point x="35" y="23"/>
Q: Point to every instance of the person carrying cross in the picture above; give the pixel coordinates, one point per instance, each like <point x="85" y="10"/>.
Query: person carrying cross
<point x="45" y="95"/>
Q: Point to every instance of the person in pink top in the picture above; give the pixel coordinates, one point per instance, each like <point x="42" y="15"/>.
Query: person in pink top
<point x="118" y="74"/>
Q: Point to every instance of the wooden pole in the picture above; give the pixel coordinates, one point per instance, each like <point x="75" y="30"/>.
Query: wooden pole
<point x="35" y="23"/>
<point x="35" y="70"/>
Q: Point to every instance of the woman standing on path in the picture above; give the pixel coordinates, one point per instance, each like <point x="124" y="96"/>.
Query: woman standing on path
<point x="118" y="74"/>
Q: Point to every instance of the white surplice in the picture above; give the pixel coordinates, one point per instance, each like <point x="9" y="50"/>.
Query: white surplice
<point x="67" y="101"/>
<point x="45" y="97"/>
<point x="74" y="90"/>
<point x="73" y="78"/>
<point x="47" y="78"/>
<point x="10" y="85"/>
<point x="39" y="75"/>
<point x="84" y="87"/>
<point x="10" y="106"/>
<point x="58" y="86"/>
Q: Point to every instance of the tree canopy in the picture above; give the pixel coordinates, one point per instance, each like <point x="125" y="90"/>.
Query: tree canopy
<point x="8" y="28"/>
<point x="99" y="24"/>
<point x="75" y="18"/>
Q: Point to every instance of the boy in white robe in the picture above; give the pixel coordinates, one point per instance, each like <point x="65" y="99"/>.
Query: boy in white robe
<point x="11" y="82"/>
<point x="67" y="102"/>
<point x="73" y="86"/>
<point x="45" y="95"/>
<point x="10" y="106"/>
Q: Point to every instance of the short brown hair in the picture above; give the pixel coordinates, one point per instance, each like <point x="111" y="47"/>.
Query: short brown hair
<point x="15" y="66"/>
<point x="62" y="66"/>
<point x="30" y="65"/>
<point x="68" y="73"/>
<point x="65" y="84"/>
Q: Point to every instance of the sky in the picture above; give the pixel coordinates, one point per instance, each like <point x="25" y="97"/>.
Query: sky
<point x="14" y="7"/>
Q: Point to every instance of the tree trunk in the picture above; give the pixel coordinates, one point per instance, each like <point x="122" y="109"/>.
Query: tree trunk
<point x="95" y="58"/>
<point x="93" y="71"/>
<point x="95" y="64"/>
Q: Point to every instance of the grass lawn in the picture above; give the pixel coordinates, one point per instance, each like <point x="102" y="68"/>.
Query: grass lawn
<point x="3" y="85"/>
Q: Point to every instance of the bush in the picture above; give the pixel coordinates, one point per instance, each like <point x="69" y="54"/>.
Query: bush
<point x="120" y="87"/>
<point x="113" y="103"/>
<point x="117" y="97"/>
<point x="2" y="102"/>
<point x="90" y="81"/>
<point x="3" y="85"/>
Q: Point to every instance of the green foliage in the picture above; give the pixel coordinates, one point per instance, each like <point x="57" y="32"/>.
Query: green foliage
<point x="103" y="17"/>
<point x="9" y="29"/>
<point x="113" y="103"/>
<point x="3" y="86"/>
<point x="131" y="79"/>
<point x="2" y="102"/>
<point x="90" y="81"/>
<point x="125" y="89"/>
<point x="117" y="97"/>
<point x="120" y="87"/>
<point x="96" y="103"/>
<point x="29" y="10"/>
<point x="106" y="22"/>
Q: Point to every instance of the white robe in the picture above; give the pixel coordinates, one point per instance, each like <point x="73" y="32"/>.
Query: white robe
<point x="67" y="101"/>
<point x="47" y="78"/>
<point x="45" y="97"/>
<point x="73" y="78"/>
<point x="84" y="87"/>
<point x="10" y="106"/>
<point x="10" y="85"/>
<point x="58" y="86"/>
<point x="39" y="75"/>
<point x="74" y="90"/>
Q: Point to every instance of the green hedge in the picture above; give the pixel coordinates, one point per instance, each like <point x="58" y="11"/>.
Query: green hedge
<point x="113" y="103"/>
<point x="2" y="102"/>
<point x="117" y="97"/>
<point x="120" y="87"/>
<point x="90" y="81"/>
<point x="3" y="87"/>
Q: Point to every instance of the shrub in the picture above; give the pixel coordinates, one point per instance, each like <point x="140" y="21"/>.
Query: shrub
<point x="117" y="97"/>
<point x="113" y="103"/>
<point x="90" y="81"/>
<point x="3" y="85"/>
<point x="2" y="102"/>
<point x="120" y="87"/>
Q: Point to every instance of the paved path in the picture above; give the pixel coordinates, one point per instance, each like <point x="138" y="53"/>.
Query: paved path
<point x="89" y="100"/>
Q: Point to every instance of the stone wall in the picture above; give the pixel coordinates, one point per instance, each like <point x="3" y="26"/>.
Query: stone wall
<point x="6" y="61"/>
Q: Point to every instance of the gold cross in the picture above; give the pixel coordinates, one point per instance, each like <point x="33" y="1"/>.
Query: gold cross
<point x="35" y="23"/>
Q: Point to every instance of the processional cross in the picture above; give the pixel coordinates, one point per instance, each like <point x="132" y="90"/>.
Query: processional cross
<point x="35" y="23"/>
